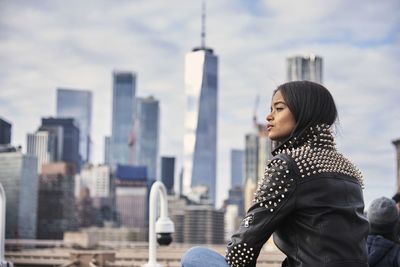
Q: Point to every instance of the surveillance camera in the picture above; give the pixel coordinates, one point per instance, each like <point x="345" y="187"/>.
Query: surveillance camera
<point x="164" y="229"/>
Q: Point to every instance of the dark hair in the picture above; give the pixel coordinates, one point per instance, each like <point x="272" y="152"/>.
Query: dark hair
<point x="310" y="103"/>
<point x="396" y="197"/>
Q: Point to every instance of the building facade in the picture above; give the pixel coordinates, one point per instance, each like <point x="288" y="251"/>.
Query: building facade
<point x="145" y="138"/>
<point x="77" y="104"/>
<point x="237" y="164"/>
<point x="396" y="143"/>
<point x="308" y="68"/>
<point x="18" y="175"/>
<point x="70" y="138"/>
<point x="131" y="195"/>
<point x="168" y="173"/>
<point x="5" y="132"/>
<point x="123" y="109"/>
<point x="97" y="178"/>
<point x="200" y="137"/>
<point x="43" y="145"/>
<point x="56" y="206"/>
<point x="203" y="225"/>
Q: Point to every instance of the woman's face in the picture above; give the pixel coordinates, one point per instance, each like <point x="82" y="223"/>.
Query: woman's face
<point x="281" y="121"/>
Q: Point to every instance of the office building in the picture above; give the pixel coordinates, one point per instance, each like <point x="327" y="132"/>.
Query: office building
<point x="56" y="206"/>
<point x="145" y="138"/>
<point x="5" y="132"/>
<point x="77" y="104"/>
<point x="131" y="194"/>
<point x="237" y="164"/>
<point x="97" y="178"/>
<point x="43" y="145"/>
<point x="70" y="138"/>
<point x="200" y="137"/>
<point x="232" y="221"/>
<point x="168" y="173"/>
<point x="203" y="225"/>
<point x="18" y="176"/>
<point x="258" y="150"/>
<point x="396" y="143"/>
<point x="308" y="68"/>
<point x="123" y="109"/>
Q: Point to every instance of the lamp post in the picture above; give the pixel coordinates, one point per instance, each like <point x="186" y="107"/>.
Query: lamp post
<point x="163" y="228"/>
<point x="3" y="262"/>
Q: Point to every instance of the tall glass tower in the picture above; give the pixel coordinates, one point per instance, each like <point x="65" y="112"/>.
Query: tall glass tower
<point x="305" y="68"/>
<point x="146" y="139"/>
<point x="124" y="89"/>
<point x="200" y="138"/>
<point x="77" y="104"/>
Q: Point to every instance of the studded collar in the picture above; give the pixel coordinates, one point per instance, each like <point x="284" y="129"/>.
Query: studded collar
<point x="315" y="136"/>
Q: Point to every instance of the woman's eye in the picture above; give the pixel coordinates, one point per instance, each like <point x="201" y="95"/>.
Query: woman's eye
<point x="279" y="108"/>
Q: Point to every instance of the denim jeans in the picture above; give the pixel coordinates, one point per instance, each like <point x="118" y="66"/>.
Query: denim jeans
<point x="202" y="257"/>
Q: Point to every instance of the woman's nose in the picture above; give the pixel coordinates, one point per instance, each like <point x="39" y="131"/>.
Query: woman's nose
<point x="269" y="117"/>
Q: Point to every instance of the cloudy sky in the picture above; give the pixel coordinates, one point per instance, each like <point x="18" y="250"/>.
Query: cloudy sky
<point x="77" y="44"/>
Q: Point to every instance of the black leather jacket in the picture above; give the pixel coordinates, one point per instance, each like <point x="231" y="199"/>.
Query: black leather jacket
<point x="311" y="200"/>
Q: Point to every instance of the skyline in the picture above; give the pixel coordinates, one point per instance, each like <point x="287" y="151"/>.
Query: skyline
<point x="52" y="44"/>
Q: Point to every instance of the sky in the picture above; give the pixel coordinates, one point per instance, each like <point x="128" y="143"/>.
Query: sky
<point x="77" y="44"/>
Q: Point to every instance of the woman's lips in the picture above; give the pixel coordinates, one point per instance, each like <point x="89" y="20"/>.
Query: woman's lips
<point x="269" y="127"/>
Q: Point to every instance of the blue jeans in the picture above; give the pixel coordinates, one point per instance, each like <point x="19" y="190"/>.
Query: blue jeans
<point x="202" y="257"/>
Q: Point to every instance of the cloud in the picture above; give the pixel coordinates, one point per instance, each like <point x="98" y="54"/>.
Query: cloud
<point x="77" y="44"/>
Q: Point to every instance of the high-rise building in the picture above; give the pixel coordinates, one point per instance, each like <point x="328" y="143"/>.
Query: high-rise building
<point x="77" y="104"/>
<point x="123" y="108"/>
<point x="396" y="143"/>
<point x="237" y="165"/>
<point x="200" y="138"/>
<point x="5" y="132"/>
<point x="70" y="138"/>
<point x="203" y="225"/>
<point x="97" y="178"/>
<point x="43" y="145"/>
<point x="131" y="195"/>
<point x="258" y="148"/>
<point x="251" y="157"/>
<point x="305" y="68"/>
<point x="168" y="173"/>
<point x="56" y="206"/>
<point x="56" y="132"/>
<point x="18" y="175"/>
<point x="145" y="138"/>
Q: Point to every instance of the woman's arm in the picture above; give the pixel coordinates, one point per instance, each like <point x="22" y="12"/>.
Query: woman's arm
<point x="273" y="202"/>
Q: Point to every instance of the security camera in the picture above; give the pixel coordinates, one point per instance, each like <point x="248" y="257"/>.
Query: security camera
<point x="164" y="229"/>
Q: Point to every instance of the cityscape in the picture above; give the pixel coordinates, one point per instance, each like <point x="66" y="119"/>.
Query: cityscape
<point x="80" y="152"/>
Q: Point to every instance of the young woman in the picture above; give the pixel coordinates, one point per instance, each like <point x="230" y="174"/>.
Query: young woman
<point x="310" y="198"/>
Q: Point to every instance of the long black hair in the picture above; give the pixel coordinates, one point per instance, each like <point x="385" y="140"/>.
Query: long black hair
<point x="310" y="103"/>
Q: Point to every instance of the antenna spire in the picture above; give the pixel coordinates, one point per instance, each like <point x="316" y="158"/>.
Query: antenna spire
<point x="203" y="25"/>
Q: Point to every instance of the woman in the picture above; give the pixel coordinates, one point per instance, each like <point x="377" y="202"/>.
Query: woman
<point x="311" y="196"/>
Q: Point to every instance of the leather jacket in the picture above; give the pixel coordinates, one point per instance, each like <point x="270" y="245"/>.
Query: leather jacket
<point x="311" y="201"/>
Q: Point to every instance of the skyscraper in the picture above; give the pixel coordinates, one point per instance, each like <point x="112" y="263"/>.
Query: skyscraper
<point x="237" y="165"/>
<point x="168" y="173"/>
<point x="56" y="212"/>
<point x="145" y="137"/>
<point x="124" y="90"/>
<point x="305" y="68"/>
<point x="77" y="104"/>
<point x="5" y="132"/>
<point x="132" y="195"/>
<point x="200" y="138"/>
<point x="70" y="138"/>
<point x="42" y="144"/>
<point x="18" y="175"/>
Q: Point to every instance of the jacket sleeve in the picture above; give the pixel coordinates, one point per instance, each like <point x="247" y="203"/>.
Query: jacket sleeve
<point x="273" y="202"/>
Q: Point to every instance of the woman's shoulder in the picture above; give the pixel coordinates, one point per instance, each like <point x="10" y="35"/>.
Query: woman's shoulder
<point x="308" y="161"/>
